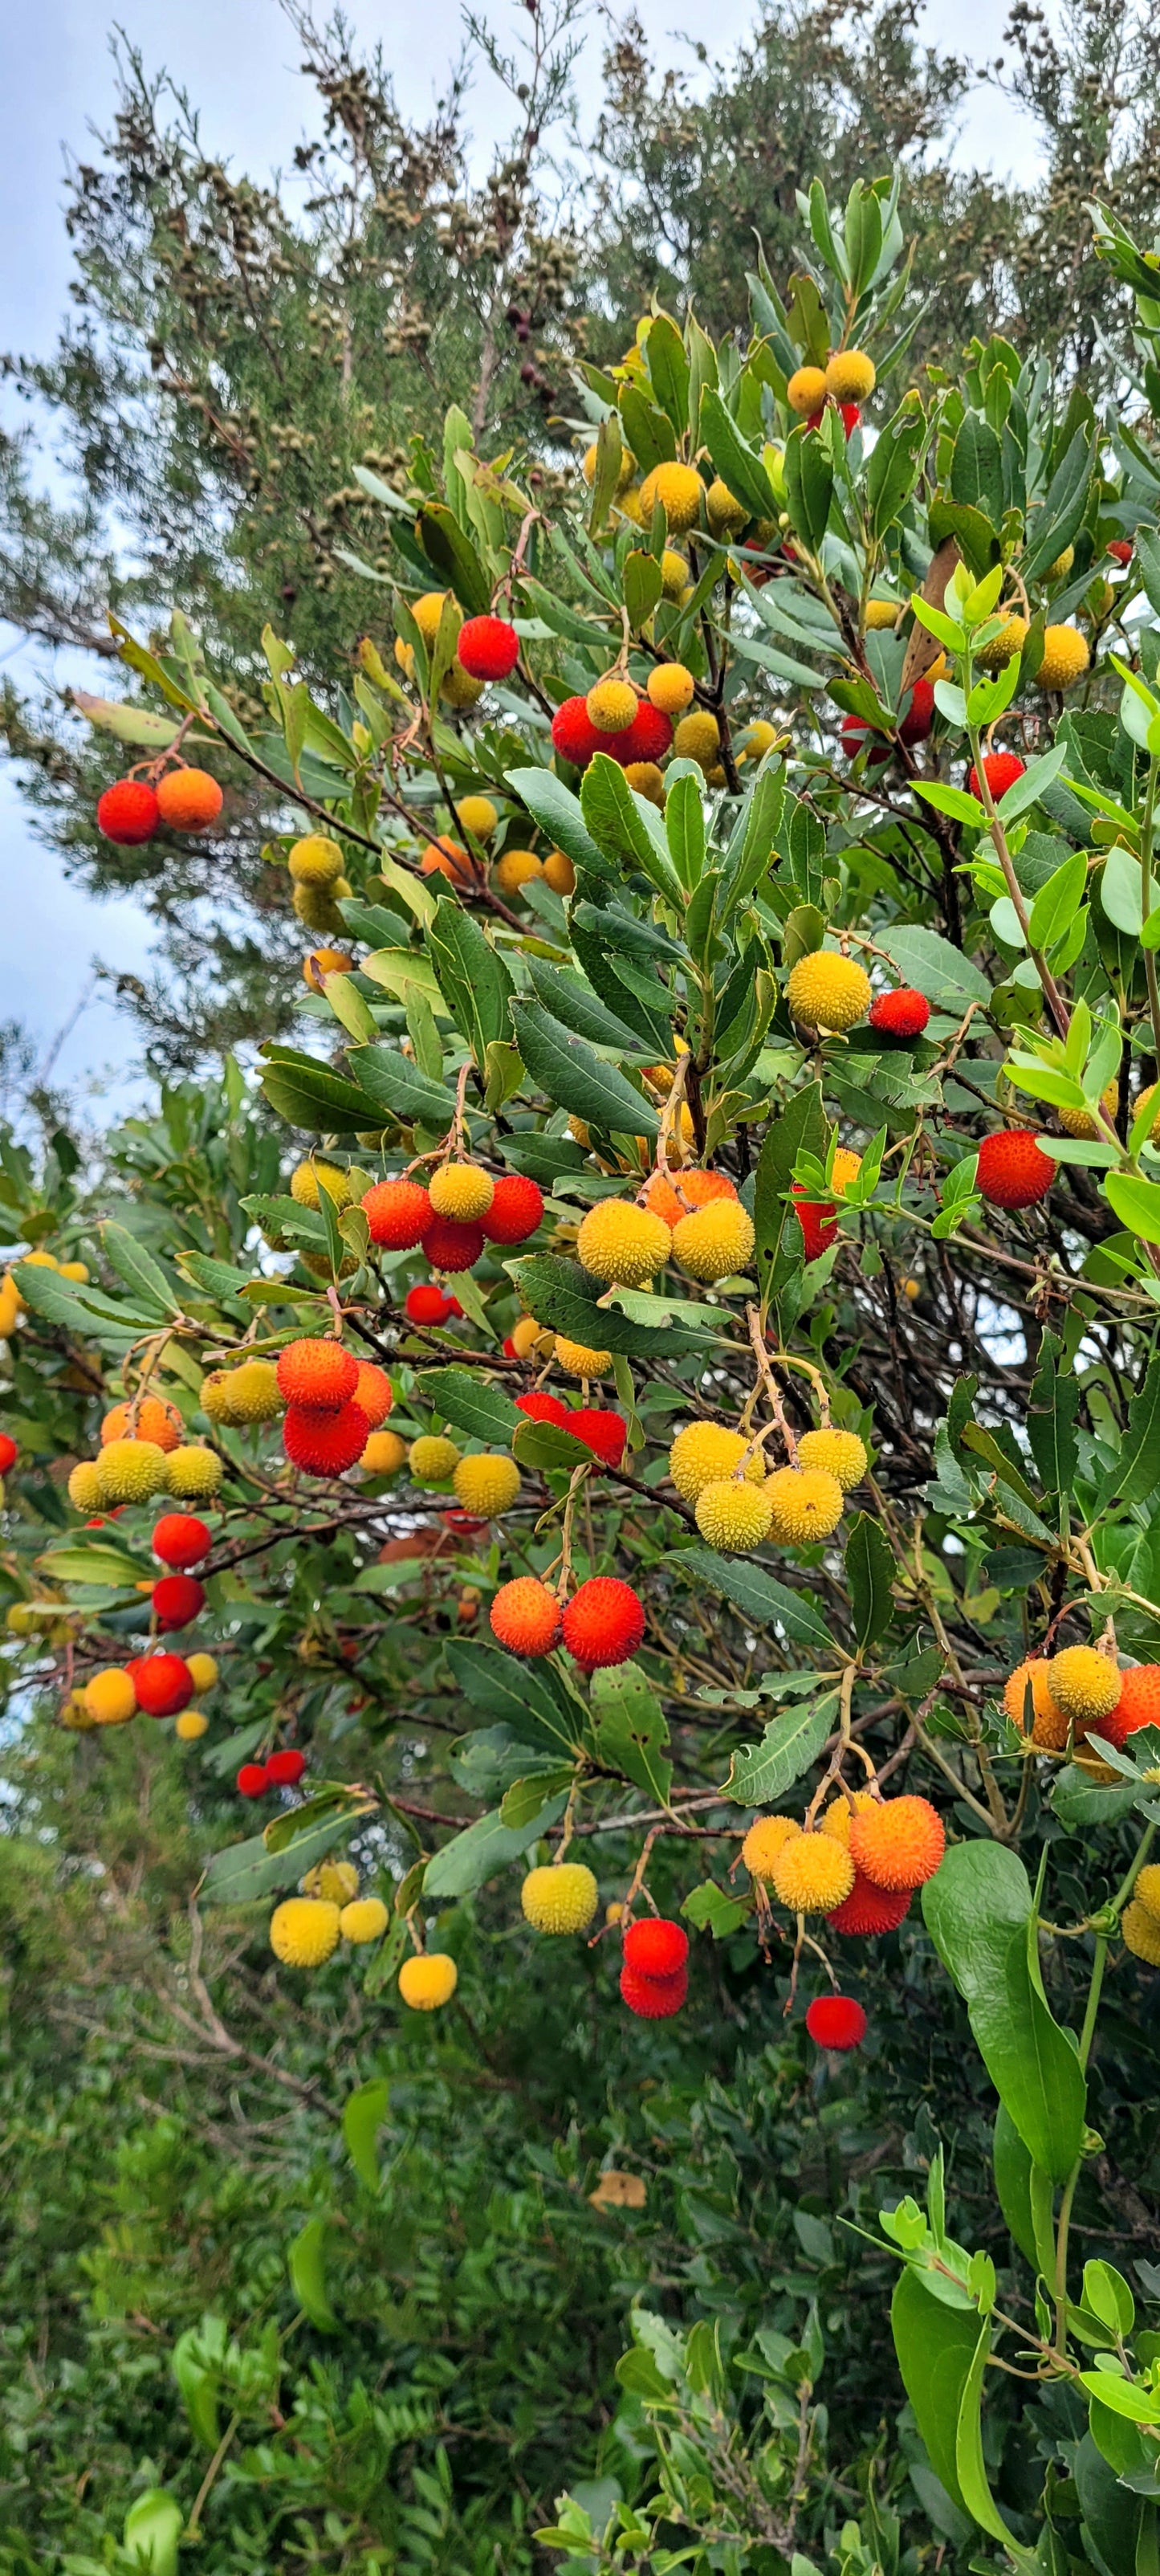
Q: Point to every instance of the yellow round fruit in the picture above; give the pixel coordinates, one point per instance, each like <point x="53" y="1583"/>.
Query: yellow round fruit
<point x="839" y="1815"/>
<point x="705" y="1452"/>
<point x="674" y="576"/>
<point x="527" y="1336"/>
<point x="110" y="1699"/>
<point x="131" y="1470"/>
<point x="478" y="816"/>
<point x="733" y="1514"/>
<point x="611" y="705"/>
<point x="255" y="1395"/>
<point x="458" y="689"/>
<point x="1050" y="1728"/>
<point x="629" y="505"/>
<point x="715" y="1242"/>
<point x="1079" y="1122"/>
<point x="487" y="1484"/>
<point x="85" y="1490"/>
<point x="384" y="1453"/>
<point x="670" y="687"/>
<point x="805" y="1505"/>
<point x="315" y="860"/>
<point x="10" y="1306"/>
<point x="825" y="991"/>
<point x="336" y="1880"/>
<point x="560" y="1898"/>
<point x="850" y="376"/>
<point x="1085" y="1684"/>
<point x="428" y="610"/>
<point x="1010" y="639"/>
<point x="644" y="777"/>
<point x="1146" y="1096"/>
<point x="217" y="1395"/>
<point x="1059" y="570"/>
<point x="304" y="1931"/>
<point x="679" y="490"/>
<point x="880" y="615"/>
<point x="724" y="512"/>
<point x="1141" y="1933"/>
<point x="841" y="1454"/>
<point x="516" y="868"/>
<point x="365" y="1919"/>
<point x="1065" y="658"/>
<point x="432" y="1460"/>
<point x="577" y="1360"/>
<point x="1147" y="1890"/>
<point x="462" y="1191"/>
<point x="812" y="1873"/>
<point x="193" y="1474"/>
<point x="758" y="738"/>
<point x="559" y="873"/>
<point x="623" y="1244"/>
<point x="767" y="1836"/>
<point x="428" y="1980"/>
<point x="203" y="1672"/>
<point x="76" y="1270"/>
<point x="189" y="1725"/>
<point x="308" y="1178"/>
<point x="698" y="737"/>
<point x="806" y="391"/>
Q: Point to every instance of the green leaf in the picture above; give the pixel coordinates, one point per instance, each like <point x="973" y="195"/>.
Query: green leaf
<point x="564" y="1065"/>
<point x="249" y="1870"/>
<point x="892" y="470"/>
<point x="630" y="1731"/>
<point x="559" y="1293"/>
<point x="309" y="1095"/>
<point x="954" y="801"/>
<point x="101" y="1565"/>
<point x="977" y="1909"/>
<point x="1136" y="1202"/>
<point x="1121" y="890"/>
<point x="643" y="583"/>
<point x="528" y="1700"/>
<point x="936" y="2345"/>
<point x="809" y="478"/>
<point x="561" y="815"/>
<point x="685" y="829"/>
<point x="138" y="1268"/>
<point x="1136" y="1473"/>
<point x="734" y="460"/>
<point x="472" y="1404"/>
<point x="759" y="1774"/>
<point x="710" y="1908"/>
<point x="977" y="470"/>
<point x="870" y="1573"/>
<point x="759" y="1596"/>
<point x="1058" y="522"/>
<point x="454" y="557"/>
<point x="800" y="1129"/>
<point x="929" y="962"/>
<point x="473" y="978"/>
<point x="1080" y="1803"/>
<point x="1014" y="2181"/>
<point x="153" y="2527"/>
<point x="668" y="369"/>
<point x="1057" y="903"/>
<point x="1051" y="1418"/>
<point x="306" y="2262"/>
<point x="363" y="2113"/>
<point x="484" y="1848"/>
<point x="197" y="2358"/>
<point x="580" y="1009"/>
<point x="524" y="1800"/>
<point x="625" y="825"/>
<point x="392" y="1083"/>
<point x="1116" y="2520"/>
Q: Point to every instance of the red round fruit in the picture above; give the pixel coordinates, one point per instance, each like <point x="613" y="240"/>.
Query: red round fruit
<point x="428" y="1303"/>
<point x="919" y="717"/>
<point x="163" y="1683"/>
<point x="836" y="2021"/>
<point x="851" y="417"/>
<point x="8" y="1452"/>
<point x="324" y="1444"/>
<point x="601" y="1431"/>
<point x="653" y="1998"/>
<point x="603" y="1623"/>
<point x="1013" y="1171"/>
<point x="648" y="737"/>
<point x="177" y="1598"/>
<point x="488" y="647"/>
<point x="373" y="1392"/>
<point x="525" y="1616"/>
<point x="397" y="1212"/>
<point x="128" y="813"/>
<point x="903" y="1013"/>
<point x="180" y="1540"/>
<point x="656" y="1947"/>
<point x="542" y="1407"/>
<point x="1121" y="548"/>
<point x="319" y="1374"/>
<point x="574" y="735"/>
<point x="870" y="1909"/>
<point x="284" y="1770"/>
<point x="855" y="734"/>
<point x="1000" y="769"/>
<point x="517" y="1207"/>
<point x="818" y="1219"/>
<point x="449" y="1246"/>
<point x="252" y="1780"/>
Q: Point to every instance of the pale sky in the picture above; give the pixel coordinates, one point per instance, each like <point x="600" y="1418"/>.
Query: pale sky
<point x="238" y="58"/>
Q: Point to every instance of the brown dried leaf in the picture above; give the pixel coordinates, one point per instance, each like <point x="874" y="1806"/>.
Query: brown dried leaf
<point x="618" y="2191"/>
<point x="924" y="648"/>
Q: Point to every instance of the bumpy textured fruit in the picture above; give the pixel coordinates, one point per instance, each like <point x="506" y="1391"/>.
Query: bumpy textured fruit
<point x="698" y="737"/>
<point x="574" y="735"/>
<point x="653" y="1998"/>
<point x="836" y="2021"/>
<point x="812" y="1873"/>
<point x="203" y="1672"/>
<point x="850" y="376"/>
<point x="364" y="1919"/>
<point x="151" y="1419"/>
<point x="486" y="1484"/>
<point x="806" y="390"/>
<point x="308" y="1178"/>
<point x="1065" y="658"/>
<point x="251" y="1780"/>
<point x="315" y="860"/>
<point x="304" y="1931"/>
<point x="1013" y="1171"/>
<point x="679" y="489"/>
<point x="516" y="868"/>
<point x="336" y="1880"/>
<point x="601" y="1430"/>
<point x="622" y="1243"/>
<point x="868" y="1909"/>
<point x="656" y="1947"/>
<point x="1000" y="770"/>
<point x="432" y="1460"/>
<point x="428" y="1981"/>
<point x="648" y="737"/>
<point x="542" y="1407"/>
<point x="1079" y="1122"/>
<point x="817" y="1218"/>
<point x="1141" y="1933"/>
<point x="324" y="1443"/>
<point x="447" y="858"/>
<point x="899" y="1842"/>
<point x="1085" y="1684"/>
<point x="325" y="961"/>
<point x="611" y="705"/>
<point x="478" y="816"/>
<point x="463" y="1191"/>
<point x="85" y="1490"/>
<point x="316" y="1373"/>
<point x="725" y="513"/>
<point x="560" y="1898"/>
<point x="131" y="1470"/>
<point x="188" y="800"/>
<point x="163" y="1683"/>
<point x="515" y="1209"/>
<point x="767" y="1836"/>
<point x="825" y="991"/>
<point x="254" y="1393"/>
<point x="670" y="687"/>
<point x="428" y="1303"/>
<point x="284" y="1769"/>
<point x="733" y="1514"/>
<point x="559" y="873"/>
<point x="805" y="1505"/>
<point x="674" y="574"/>
<point x="488" y="647"/>
<point x="838" y="1817"/>
<point x="525" y="1616"/>
<point x="579" y="1361"/>
<point x="1139" y="1701"/>
<point x="603" y="1623"/>
<point x="193" y="1474"/>
<point x="645" y="780"/>
<point x="178" y="1598"/>
<point x="110" y="1699"/>
<point x="191" y="1724"/>
<point x="1147" y="1890"/>
<point x="458" y="689"/>
<point x="758" y="738"/>
<point x="1010" y="639"/>
<point x="450" y="1245"/>
<point x="1049" y="1726"/>
<point x="715" y="1241"/>
<point x="840" y="1454"/>
<point x="881" y="614"/>
<point x="128" y="813"/>
<point x="373" y="1393"/>
<point x="398" y="1213"/>
<point x="902" y="1013"/>
<point x="675" y="1195"/>
<point x="427" y="611"/>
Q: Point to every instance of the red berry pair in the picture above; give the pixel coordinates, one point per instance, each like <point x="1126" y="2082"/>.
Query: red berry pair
<point x="654" y="1980"/>
<point x="428" y="1303"/>
<point x="323" y="1430"/>
<point x="603" y="1623"/>
<point x="279" y="1771"/>
<point x="600" y="1430"/>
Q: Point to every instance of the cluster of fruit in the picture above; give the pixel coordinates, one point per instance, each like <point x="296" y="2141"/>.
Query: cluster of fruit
<point x="305" y="1930"/>
<point x="1060" y="1700"/>
<point x="178" y="800"/>
<point x="143" y="1452"/>
<point x="453" y="1216"/>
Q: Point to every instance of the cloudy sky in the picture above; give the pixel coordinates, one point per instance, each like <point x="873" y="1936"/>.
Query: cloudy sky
<point x="238" y="59"/>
